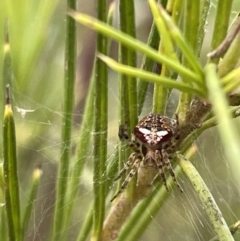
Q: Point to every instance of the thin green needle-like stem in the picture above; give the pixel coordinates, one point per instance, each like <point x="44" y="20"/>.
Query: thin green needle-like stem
<point x="233" y="229"/>
<point x="3" y="223"/>
<point x="228" y="40"/>
<point x="150" y="77"/>
<point x="86" y="227"/>
<point x="166" y="47"/>
<point x="81" y="153"/>
<point x="181" y="42"/>
<point x="191" y="26"/>
<point x="147" y="64"/>
<point x="68" y="104"/>
<point x="230" y="77"/>
<point x="133" y="44"/>
<point x="128" y="57"/>
<point x="230" y="138"/>
<point x="231" y="80"/>
<point x="37" y="173"/>
<point x="3" y="227"/>
<point x="100" y="129"/>
<point x="231" y="58"/>
<point x="202" y="25"/>
<point x="191" y="23"/>
<point x="11" y="183"/>
<point x="221" y="23"/>
<point x="111" y="174"/>
<point x="127" y="83"/>
<point x="160" y="97"/>
<point x="176" y="10"/>
<point x="87" y="125"/>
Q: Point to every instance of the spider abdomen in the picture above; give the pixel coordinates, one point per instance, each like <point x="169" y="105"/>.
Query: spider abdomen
<point x="154" y="130"/>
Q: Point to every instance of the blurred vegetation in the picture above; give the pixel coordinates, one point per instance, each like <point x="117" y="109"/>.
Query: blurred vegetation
<point x="33" y="37"/>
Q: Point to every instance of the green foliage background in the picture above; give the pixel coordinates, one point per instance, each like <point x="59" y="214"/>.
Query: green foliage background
<point x="35" y="71"/>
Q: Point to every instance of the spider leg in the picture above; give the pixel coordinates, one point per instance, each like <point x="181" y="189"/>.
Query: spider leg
<point x="135" y="146"/>
<point x="167" y="163"/>
<point x="129" y="177"/>
<point x="126" y="165"/>
<point x="122" y="133"/>
<point x="135" y="155"/>
<point x="160" y="165"/>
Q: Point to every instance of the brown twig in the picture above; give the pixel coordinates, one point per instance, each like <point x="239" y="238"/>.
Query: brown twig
<point x="226" y="43"/>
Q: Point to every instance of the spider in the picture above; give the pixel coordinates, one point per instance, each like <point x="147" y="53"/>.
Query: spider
<point x="153" y="137"/>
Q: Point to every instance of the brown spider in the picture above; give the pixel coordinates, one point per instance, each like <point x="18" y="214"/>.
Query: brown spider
<point x="153" y="137"/>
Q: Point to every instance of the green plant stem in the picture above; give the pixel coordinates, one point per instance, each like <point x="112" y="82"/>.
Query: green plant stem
<point x="128" y="57"/>
<point x="133" y="44"/>
<point x="37" y="173"/>
<point x="87" y="124"/>
<point x="221" y="23"/>
<point x="3" y="13"/>
<point x="202" y="25"/>
<point x="2" y="185"/>
<point x="227" y="42"/>
<point x="233" y="229"/>
<point x="147" y="64"/>
<point x="207" y="200"/>
<point x="111" y="174"/>
<point x="230" y="138"/>
<point x="160" y="98"/>
<point x="68" y="104"/>
<point x="176" y="10"/>
<point x="100" y="129"/>
<point x="86" y="227"/>
<point x="150" y="77"/>
<point x="3" y="227"/>
<point x="232" y="80"/>
<point x="12" y="199"/>
<point x="231" y="77"/>
<point x="127" y="84"/>
<point x="182" y="43"/>
<point x="231" y="58"/>
<point x="110" y="14"/>
<point x="191" y="25"/>
<point x="166" y="48"/>
<point x="81" y="154"/>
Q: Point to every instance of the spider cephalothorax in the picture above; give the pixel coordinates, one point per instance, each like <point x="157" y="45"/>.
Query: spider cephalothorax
<point x="153" y="137"/>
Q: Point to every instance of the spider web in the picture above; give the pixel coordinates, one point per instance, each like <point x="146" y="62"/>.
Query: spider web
<point x="182" y="217"/>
